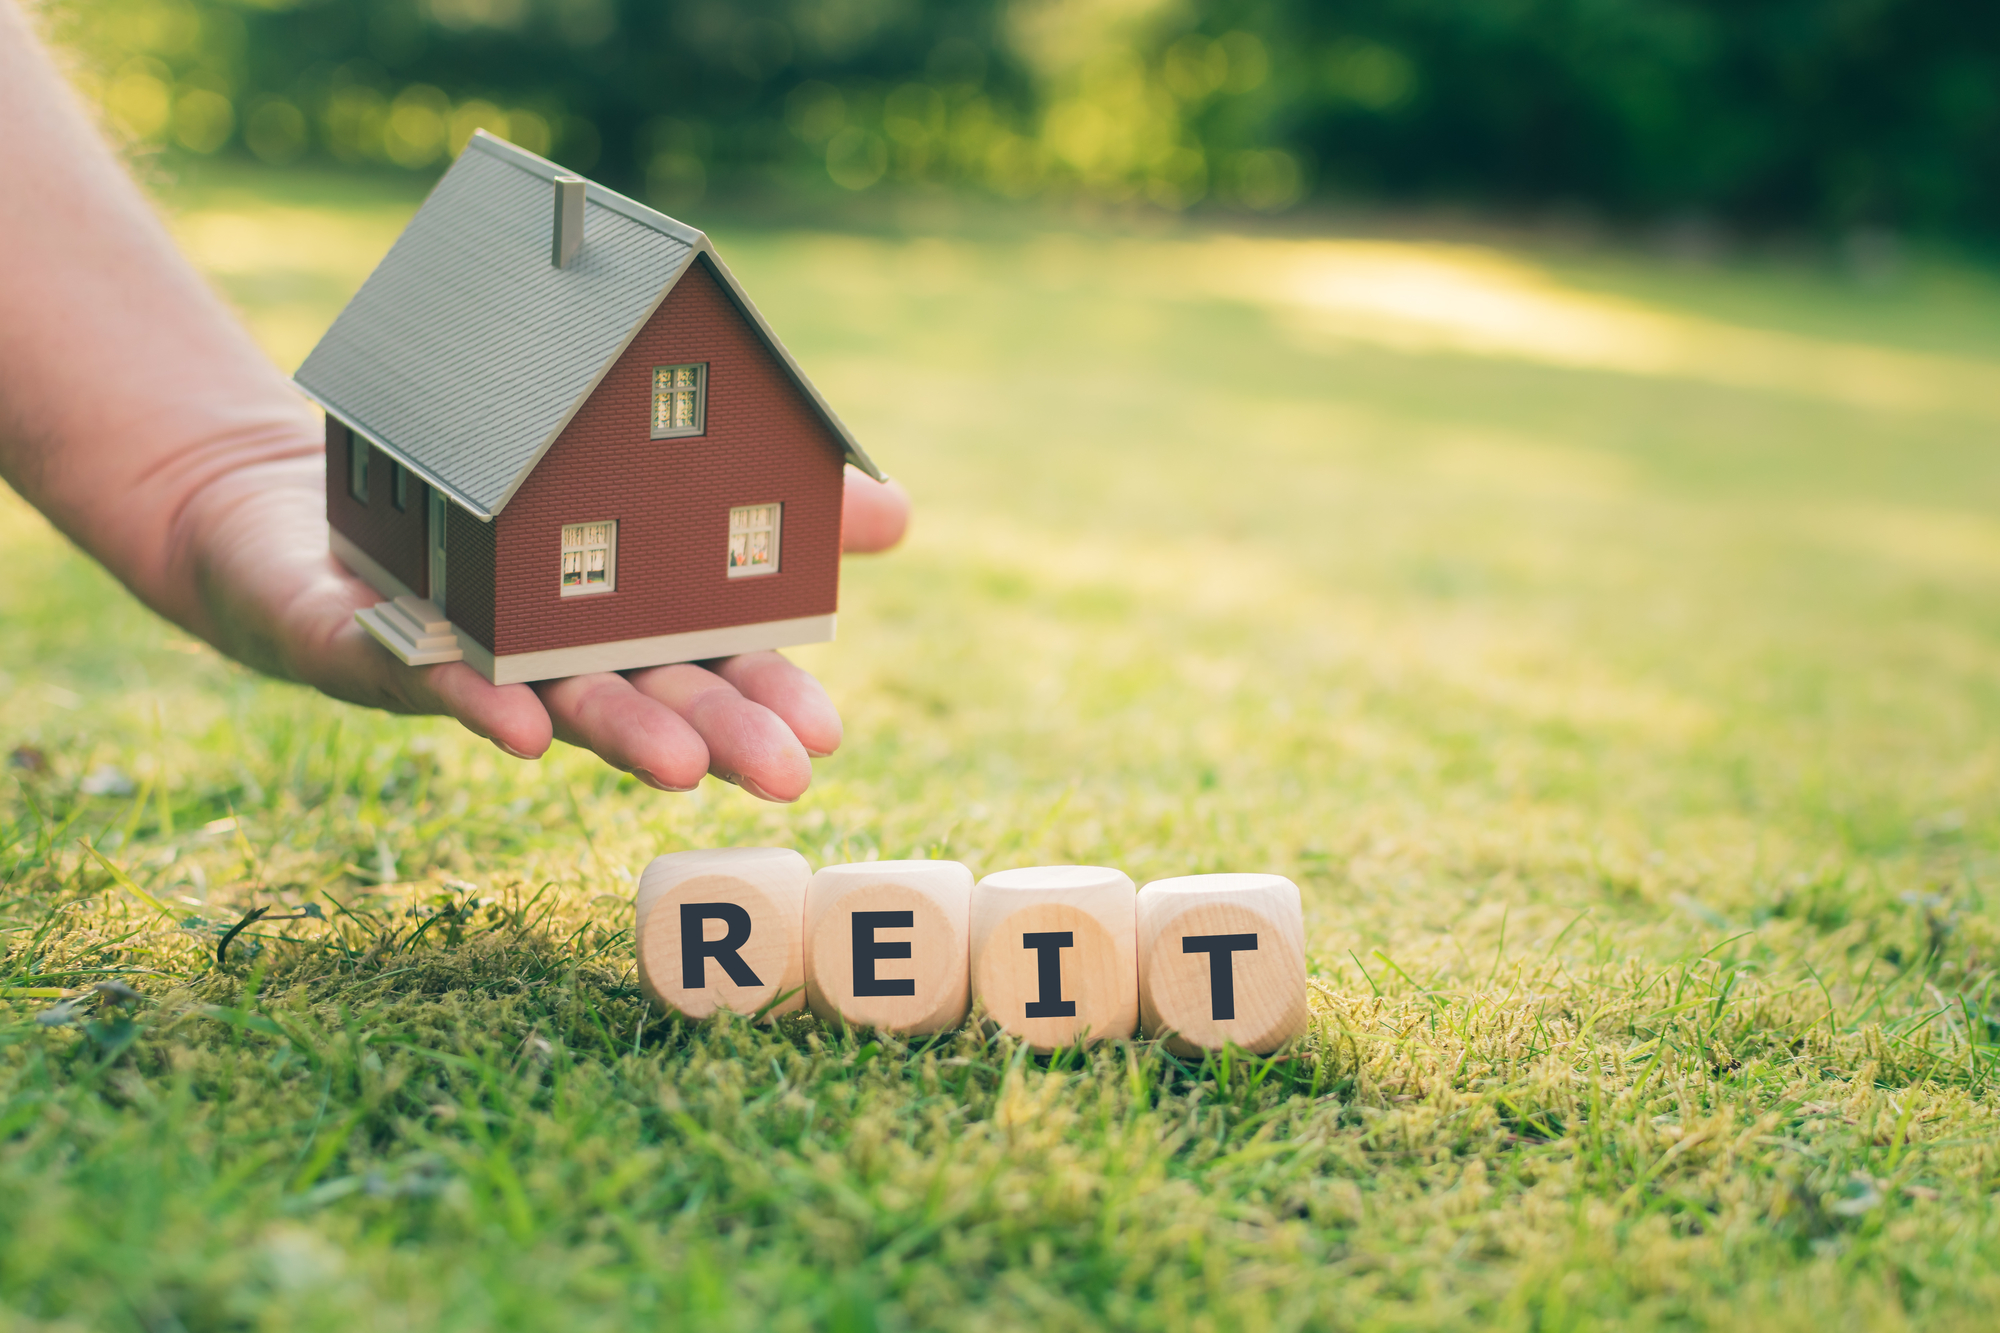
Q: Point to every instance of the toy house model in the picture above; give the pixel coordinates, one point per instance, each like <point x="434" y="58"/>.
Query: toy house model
<point x="559" y="438"/>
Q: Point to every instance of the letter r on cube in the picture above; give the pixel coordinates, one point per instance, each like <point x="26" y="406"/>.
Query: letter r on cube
<point x="696" y="951"/>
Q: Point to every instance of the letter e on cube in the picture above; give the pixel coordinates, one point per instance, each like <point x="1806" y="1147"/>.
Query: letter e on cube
<point x="886" y="945"/>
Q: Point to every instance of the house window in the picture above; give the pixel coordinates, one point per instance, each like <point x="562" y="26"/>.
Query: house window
<point x="589" y="558"/>
<point x="399" y="486"/>
<point x="753" y="539"/>
<point x="357" y="467"/>
<point x="680" y="400"/>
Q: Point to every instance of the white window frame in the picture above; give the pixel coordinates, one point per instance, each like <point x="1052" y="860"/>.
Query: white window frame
<point x="357" y="466"/>
<point x="576" y="539"/>
<point x="777" y="528"/>
<point x="699" y="390"/>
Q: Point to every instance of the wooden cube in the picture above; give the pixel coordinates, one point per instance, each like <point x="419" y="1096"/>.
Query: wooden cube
<point x="886" y="945"/>
<point x="1054" y="955"/>
<point x="723" y="929"/>
<point x="1222" y="959"/>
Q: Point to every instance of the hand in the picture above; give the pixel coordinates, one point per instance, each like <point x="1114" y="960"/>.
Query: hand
<point x="275" y="598"/>
<point x="138" y="416"/>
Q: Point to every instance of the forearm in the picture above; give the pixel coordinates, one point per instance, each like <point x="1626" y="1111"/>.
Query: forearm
<point x="126" y="387"/>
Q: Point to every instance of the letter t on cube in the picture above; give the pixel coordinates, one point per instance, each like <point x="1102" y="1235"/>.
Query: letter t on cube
<point x="723" y="929"/>
<point x="1222" y="958"/>
<point x="886" y="945"/>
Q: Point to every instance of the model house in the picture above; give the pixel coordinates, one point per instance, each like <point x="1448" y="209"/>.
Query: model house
<point x="559" y="438"/>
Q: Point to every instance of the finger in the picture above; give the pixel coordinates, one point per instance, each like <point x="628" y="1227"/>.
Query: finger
<point x="511" y="716"/>
<point x="748" y="744"/>
<point x="799" y="700"/>
<point x="320" y="643"/>
<point x="873" y="514"/>
<point x="362" y="671"/>
<point x="603" y="712"/>
<point x="270" y="594"/>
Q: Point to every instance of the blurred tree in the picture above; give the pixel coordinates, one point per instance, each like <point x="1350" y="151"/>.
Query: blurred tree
<point x="1827" y="112"/>
<point x="1837" y="113"/>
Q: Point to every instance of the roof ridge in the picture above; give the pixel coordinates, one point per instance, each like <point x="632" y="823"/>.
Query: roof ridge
<point x="494" y="146"/>
<point x="402" y="363"/>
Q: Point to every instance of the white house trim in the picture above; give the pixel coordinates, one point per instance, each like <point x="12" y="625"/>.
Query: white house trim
<point x="632" y="654"/>
<point x="618" y="655"/>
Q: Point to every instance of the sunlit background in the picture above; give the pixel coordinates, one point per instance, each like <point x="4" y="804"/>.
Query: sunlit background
<point x="1529" y="472"/>
<point x="1278" y="382"/>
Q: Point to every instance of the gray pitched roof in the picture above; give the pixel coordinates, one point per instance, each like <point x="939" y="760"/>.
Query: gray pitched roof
<point x="466" y="352"/>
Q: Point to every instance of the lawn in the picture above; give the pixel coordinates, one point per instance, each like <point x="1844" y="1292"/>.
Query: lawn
<point x="1609" y="647"/>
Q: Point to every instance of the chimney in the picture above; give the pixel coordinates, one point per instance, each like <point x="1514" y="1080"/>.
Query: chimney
<point x="569" y="221"/>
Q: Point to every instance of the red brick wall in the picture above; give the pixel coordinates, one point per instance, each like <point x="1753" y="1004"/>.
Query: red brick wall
<point x="671" y="498"/>
<point x="396" y="540"/>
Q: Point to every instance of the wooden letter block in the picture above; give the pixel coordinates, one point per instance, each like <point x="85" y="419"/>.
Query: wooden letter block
<point x="1222" y="958"/>
<point x="886" y="945"/>
<point x="723" y="929"/>
<point x="1054" y="955"/>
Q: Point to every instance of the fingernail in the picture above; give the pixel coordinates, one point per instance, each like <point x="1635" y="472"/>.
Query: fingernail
<point x="818" y="754"/>
<point x="505" y="748"/>
<point x="747" y="785"/>
<point x="654" y="782"/>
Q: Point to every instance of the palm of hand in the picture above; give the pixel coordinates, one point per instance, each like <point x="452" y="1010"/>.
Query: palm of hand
<point x="275" y="598"/>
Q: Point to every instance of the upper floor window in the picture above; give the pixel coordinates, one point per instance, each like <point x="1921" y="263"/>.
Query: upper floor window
<point x="399" y="486"/>
<point x="357" y="467"/>
<point x="589" y="558"/>
<point x="680" y="400"/>
<point x="753" y="539"/>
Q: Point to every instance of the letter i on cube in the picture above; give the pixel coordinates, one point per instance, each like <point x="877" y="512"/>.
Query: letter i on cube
<point x="886" y="945"/>
<point x="1222" y="959"/>
<point x="1054" y="956"/>
<point x="720" y="930"/>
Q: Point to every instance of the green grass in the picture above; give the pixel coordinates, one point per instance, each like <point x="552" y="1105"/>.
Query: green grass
<point x="1630" y="731"/>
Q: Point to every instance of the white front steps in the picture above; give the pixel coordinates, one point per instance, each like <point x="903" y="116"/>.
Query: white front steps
<point x="413" y="629"/>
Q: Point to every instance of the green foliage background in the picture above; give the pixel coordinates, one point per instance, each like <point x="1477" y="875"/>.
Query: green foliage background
<point x="1818" y="114"/>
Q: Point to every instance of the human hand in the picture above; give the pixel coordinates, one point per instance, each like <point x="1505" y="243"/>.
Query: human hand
<point x="196" y="475"/>
<point x="274" y="597"/>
